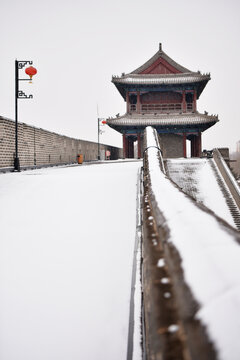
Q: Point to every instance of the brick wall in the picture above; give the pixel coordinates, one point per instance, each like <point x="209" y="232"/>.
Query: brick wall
<point x="171" y="145"/>
<point x="41" y="147"/>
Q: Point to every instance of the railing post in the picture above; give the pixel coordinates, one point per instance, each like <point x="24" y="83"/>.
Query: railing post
<point x="127" y="101"/>
<point x="184" y="101"/>
<point x="138" y="102"/>
<point x="194" y="100"/>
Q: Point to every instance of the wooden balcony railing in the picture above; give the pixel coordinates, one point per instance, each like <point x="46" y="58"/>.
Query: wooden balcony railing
<point x="161" y="108"/>
<point x="133" y="107"/>
<point x="189" y="106"/>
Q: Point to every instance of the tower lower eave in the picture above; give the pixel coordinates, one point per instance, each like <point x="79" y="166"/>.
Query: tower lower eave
<point x="174" y="131"/>
<point x="173" y="123"/>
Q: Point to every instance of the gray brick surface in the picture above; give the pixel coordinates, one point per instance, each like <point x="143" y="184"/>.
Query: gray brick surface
<point x="42" y="147"/>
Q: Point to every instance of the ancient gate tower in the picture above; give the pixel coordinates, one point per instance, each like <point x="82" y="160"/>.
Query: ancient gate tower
<point x="163" y="94"/>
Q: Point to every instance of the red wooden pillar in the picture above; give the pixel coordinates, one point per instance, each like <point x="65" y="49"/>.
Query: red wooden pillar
<point x="139" y="145"/>
<point x="124" y="146"/>
<point x="192" y="147"/>
<point x="196" y="146"/>
<point x="184" y="106"/>
<point x="138" y="102"/>
<point x="127" y="102"/>
<point x="131" y="148"/>
<point x="127" y="147"/>
<point x="199" y="144"/>
<point x="194" y="100"/>
<point x="184" y="145"/>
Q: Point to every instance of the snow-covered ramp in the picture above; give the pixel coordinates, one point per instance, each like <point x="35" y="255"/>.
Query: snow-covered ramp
<point x="201" y="179"/>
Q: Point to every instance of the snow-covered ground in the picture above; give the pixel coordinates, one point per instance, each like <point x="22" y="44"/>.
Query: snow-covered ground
<point x="66" y="247"/>
<point x="197" y="178"/>
<point x="210" y="258"/>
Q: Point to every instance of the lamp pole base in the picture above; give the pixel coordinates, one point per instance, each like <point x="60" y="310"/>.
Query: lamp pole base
<point x="16" y="164"/>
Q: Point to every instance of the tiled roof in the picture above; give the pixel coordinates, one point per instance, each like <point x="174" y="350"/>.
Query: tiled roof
<point x="165" y="119"/>
<point x="157" y="79"/>
<point x="163" y="55"/>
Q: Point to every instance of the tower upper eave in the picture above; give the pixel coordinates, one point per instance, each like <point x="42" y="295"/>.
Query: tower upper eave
<point x="131" y="82"/>
<point x="160" y="79"/>
<point x="160" y="72"/>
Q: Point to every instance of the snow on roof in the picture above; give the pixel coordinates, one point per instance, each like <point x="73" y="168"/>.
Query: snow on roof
<point x="164" y="119"/>
<point x="161" y="79"/>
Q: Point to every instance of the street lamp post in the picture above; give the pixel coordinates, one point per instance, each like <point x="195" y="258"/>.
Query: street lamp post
<point x="19" y="94"/>
<point x="103" y="121"/>
<point x="98" y="139"/>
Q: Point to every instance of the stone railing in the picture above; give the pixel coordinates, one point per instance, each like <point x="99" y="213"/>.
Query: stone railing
<point x="228" y="176"/>
<point x="178" y="233"/>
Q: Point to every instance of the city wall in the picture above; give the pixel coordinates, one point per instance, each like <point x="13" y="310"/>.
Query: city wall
<point x="41" y="147"/>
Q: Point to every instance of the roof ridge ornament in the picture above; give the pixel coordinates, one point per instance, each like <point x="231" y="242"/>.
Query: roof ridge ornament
<point x="160" y="47"/>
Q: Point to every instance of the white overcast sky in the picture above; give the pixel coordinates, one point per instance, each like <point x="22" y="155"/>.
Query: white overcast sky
<point x="78" y="45"/>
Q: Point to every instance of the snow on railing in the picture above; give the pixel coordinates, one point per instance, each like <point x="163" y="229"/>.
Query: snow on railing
<point x="152" y="141"/>
<point x="209" y="251"/>
<point x="227" y="175"/>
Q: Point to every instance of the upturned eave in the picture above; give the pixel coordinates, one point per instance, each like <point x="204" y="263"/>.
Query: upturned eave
<point x="170" y="121"/>
<point x="164" y="82"/>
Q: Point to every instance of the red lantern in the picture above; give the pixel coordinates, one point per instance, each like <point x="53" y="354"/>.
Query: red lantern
<point x="31" y="71"/>
<point x="104" y="122"/>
